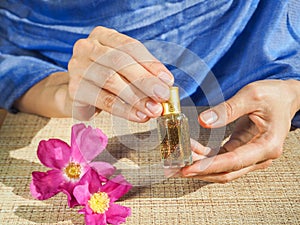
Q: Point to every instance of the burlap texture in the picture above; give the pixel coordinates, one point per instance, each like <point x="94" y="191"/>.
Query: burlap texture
<point x="271" y="196"/>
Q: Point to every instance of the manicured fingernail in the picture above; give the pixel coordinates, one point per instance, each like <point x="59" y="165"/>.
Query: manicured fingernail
<point x="141" y="115"/>
<point x="154" y="108"/>
<point x="161" y="91"/>
<point x="190" y="174"/>
<point x="165" y="77"/>
<point x="172" y="172"/>
<point x="207" y="150"/>
<point x="209" y="117"/>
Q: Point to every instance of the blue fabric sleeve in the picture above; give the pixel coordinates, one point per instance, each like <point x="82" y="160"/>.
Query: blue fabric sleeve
<point x="18" y="74"/>
<point x="296" y="120"/>
<point x="268" y="48"/>
<point x="239" y="41"/>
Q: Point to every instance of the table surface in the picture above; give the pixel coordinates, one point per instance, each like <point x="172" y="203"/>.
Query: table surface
<point x="270" y="196"/>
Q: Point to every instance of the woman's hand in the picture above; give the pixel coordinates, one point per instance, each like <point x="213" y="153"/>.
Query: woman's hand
<point x="108" y="71"/>
<point x="112" y="72"/>
<point x="264" y="110"/>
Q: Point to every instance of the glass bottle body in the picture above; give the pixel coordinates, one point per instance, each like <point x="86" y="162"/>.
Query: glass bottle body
<point x="174" y="139"/>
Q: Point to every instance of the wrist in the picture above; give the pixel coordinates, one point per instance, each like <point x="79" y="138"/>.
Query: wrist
<point x="294" y="87"/>
<point x="48" y="98"/>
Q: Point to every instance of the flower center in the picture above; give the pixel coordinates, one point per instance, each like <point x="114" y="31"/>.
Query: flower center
<point x="73" y="170"/>
<point x="99" y="202"/>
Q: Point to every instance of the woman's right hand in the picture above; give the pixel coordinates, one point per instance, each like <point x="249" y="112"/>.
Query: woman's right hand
<point x="113" y="72"/>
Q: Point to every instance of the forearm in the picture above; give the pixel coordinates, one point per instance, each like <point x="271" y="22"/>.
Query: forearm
<point x="48" y="98"/>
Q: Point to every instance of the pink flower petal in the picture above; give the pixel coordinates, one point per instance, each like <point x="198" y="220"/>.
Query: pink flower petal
<point x="54" y="153"/>
<point x="91" y="177"/>
<point x="87" y="142"/>
<point x="95" y="219"/>
<point x="44" y="185"/>
<point x="88" y="209"/>
<point x="82" y="194"/>
<point x="34" y="192"/>
<point x="68" y="190"/>
<point x="103" y="168"/>
<point x="116" y="187"/>
<point x="117" y="214"/>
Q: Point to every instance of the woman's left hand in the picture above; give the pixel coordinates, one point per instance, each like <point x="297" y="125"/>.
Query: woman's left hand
<point x="264" y="110"/>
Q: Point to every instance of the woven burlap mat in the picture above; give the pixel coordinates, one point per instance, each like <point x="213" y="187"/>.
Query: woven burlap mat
<point x="271" y="196"/>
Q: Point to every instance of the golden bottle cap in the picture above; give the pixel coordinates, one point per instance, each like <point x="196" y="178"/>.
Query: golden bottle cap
<point x="172" y="106"/>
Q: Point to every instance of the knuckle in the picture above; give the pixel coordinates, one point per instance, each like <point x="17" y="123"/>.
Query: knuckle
<point x="73" y="63"/>
<point x="225" y="178"/>
<point x="144" y="80"/>
<point x="108" y="101"/>
<point x="120" y="60"/>
<point x="121" y="39"/>
<point x="81" y="46"/>
<point x="276" y="152"/>
<point x="111" y="81"/>
<point x="274" y="147"/>
<point x="255" y="92"/>
<point x="136" y="48"/>
<point x="229" y="110"/>
<point x="98" y="30"/>
<point x="134" y="100"/>
<point x="155" y="66"/>
<point x="96" y="51"/>
<point x="237" y="163"/>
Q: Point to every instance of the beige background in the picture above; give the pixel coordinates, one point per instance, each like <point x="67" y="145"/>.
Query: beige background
<point x="271" y="196"/>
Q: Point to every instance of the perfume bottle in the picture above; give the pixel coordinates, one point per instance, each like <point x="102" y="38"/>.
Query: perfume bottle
<point x="174" y="134"/>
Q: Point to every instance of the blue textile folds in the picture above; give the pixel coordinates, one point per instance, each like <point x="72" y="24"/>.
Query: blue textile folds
<point x="212" y="47"/>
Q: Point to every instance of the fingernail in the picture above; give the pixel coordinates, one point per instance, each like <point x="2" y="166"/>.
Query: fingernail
<point x="161" y="91"/>
<point x="190" y="174"/>
<point x="154" y="108"/>
<point x="141" y="115"/>
<point x="172" y="172"/>
<point x="209" y="117"/>
<point x="165" y="77"/>
<point x="207" y="150"/>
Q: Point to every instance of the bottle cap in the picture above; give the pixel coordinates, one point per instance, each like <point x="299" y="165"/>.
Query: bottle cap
<point x="172" y="106"/>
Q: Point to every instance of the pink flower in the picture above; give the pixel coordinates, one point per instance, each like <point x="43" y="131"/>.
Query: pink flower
<point x="98" y="199"/>
<point x="69" y="163"/>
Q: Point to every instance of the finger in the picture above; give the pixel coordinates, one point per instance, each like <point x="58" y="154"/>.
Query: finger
<point x="132" y="47"/>
<point x="108" y="79"/>
<point x="112" y="104"/>
<point x="242" y="157"/>
<point x="240" y="104"/>
<point x="131" y="70"/>
<point x="243" y="132"/>
<point x="196" y="157"/>
<point x="199" y="148"/>
<point x="111" y="81"/>
<point x="172" y="172"/>
<point x="91" y="95"/>
<point x="227" y="177"/>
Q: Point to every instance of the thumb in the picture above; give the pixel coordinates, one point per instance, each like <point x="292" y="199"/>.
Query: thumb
<point x="226" y="112"/>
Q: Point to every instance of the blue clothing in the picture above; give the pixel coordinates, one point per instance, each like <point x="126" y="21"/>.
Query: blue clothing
<point x="239" y="41"/>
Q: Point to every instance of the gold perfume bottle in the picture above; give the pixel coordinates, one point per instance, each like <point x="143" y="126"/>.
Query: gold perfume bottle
<point x="174" y="134"/>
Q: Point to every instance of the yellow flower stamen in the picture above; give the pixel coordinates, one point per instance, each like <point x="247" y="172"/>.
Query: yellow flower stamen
<point x="99" y="202"/>
<point x="73" y="170"/>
